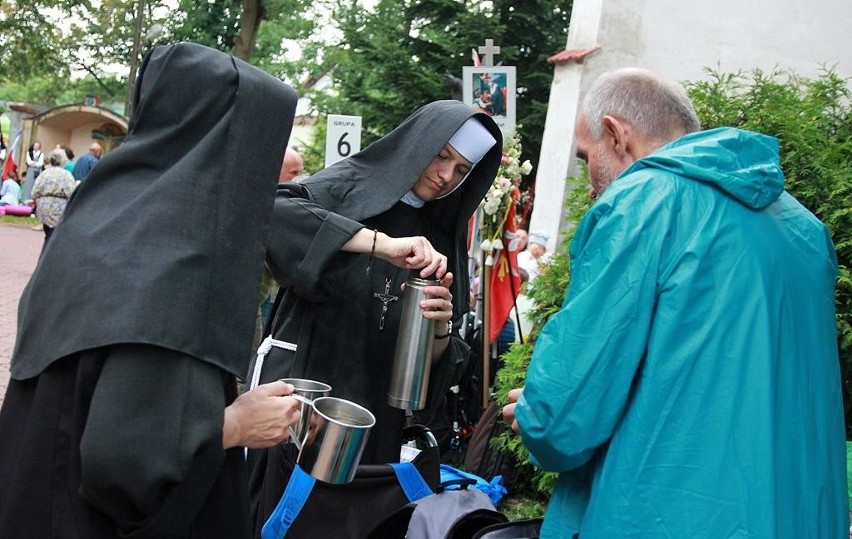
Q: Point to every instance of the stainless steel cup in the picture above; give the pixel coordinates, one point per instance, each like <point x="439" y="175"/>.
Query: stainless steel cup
<point x="413" y="355"/>
<point x="310" y="390"/>
<point x="338" y="434"/>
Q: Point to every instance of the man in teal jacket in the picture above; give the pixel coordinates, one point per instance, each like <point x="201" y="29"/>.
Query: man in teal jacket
<point x="690" y="385"/>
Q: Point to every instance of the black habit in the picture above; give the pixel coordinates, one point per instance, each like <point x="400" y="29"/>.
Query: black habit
<point x="329" y="310"/>
<point x="138" y="317"/>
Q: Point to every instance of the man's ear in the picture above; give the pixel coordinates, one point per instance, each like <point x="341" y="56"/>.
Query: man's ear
<point x="615" y="133"/>
<point x="625" y="141"/>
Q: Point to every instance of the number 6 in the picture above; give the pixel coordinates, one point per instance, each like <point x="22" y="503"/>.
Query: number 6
<point x="343" y="147"/>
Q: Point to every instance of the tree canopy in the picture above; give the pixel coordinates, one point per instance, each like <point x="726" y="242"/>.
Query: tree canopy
<point x="385" y="60"/>
<point x="397" y="56"/>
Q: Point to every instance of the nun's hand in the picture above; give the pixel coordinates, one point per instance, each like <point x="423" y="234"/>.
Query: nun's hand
<point x="438" y="304"/>
<point x="261" y="417"/>
<point x="412" y="253"/>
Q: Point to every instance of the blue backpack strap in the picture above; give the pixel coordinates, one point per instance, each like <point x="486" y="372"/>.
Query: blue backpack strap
<point x="295" y="495"/>
<point x="411" y="481"/>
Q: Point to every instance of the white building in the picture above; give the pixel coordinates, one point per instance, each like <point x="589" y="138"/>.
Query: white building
<point x="678" y="40"/>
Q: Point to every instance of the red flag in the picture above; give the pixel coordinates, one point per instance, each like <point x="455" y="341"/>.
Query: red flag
<point x="505" y="277"/>
<point x="9" y="164"/>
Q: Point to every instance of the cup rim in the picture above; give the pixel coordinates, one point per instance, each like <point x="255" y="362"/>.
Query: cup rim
<point x="371" y="418"/>
<point x="306" y="384"/>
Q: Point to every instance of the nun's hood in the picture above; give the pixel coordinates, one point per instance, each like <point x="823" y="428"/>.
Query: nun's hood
<point x="373" y="180"/>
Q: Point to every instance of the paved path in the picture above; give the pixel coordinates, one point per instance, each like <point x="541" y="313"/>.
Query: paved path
<point x="19" y="249"/>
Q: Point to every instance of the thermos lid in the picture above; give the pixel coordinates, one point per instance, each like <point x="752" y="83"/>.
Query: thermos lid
<point x="415" y="278"/>
<point x="418" y="281"/>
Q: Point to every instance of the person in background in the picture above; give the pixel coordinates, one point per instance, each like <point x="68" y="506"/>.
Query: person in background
<point x="69" y="166"/>
<point x="690" y="384"/>
<point x="10" y="191"/>
<point x="291" y="166"/>
<point x="35" y="163"/>
<point x="532" y="258"/>
<point x="291" y="170"/>
<point x="522" y="238"/>
<point x="51" y="193"/>
<point x="87" y="161"/>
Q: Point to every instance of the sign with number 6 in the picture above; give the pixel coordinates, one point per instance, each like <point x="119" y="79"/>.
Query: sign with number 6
<point x="343" y="137"/>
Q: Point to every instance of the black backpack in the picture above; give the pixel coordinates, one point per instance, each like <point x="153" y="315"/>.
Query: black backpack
<point x="447" y="514"/>
<point x="481" y="458"/>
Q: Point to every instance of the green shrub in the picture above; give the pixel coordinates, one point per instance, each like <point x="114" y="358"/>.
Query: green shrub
<point x="547" y="293"/>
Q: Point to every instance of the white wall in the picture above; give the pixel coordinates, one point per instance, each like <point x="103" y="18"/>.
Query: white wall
<point x="678" y="40"/>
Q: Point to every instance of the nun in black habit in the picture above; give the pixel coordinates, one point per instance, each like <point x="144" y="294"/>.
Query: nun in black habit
<point x="425" y="179"/>
<point x="120" y="419"/>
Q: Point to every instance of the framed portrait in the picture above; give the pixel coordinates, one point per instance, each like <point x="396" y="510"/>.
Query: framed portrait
<point x="491" y="89"/>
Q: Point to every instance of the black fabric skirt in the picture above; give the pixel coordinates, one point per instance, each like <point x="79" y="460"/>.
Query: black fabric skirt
<point x="41" y="424"/>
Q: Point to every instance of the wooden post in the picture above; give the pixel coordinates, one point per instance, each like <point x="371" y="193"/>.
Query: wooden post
<point x="486" y="331"/>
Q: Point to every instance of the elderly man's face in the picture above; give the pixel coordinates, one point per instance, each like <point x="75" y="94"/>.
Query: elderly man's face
<point x="600" y="156"/>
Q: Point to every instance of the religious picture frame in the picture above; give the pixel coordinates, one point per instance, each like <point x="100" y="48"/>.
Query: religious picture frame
<point x="492" y="90"/>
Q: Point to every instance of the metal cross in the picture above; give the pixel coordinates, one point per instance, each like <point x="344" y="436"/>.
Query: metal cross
<point x="385" y="298"/>
<point x="488" y="52"/>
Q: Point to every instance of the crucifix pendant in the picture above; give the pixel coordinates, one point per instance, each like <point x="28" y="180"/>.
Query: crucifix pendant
<point x="385" y="298"/>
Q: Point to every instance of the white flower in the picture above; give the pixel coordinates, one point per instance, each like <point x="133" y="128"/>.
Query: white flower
<point x="491" y="206"/>
<point x="497" y="244"/>
<point x="485" y="245"/>
<point x="489" y="260"/>
<point x="526" y="167"/>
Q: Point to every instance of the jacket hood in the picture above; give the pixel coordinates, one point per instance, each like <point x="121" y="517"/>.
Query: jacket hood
<point x="743" y="164"/>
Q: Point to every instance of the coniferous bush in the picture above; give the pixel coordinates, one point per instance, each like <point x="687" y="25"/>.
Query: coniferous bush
<point x="546" y="292"/>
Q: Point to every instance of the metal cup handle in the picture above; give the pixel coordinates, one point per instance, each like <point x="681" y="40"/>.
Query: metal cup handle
<point x="300" y="398"/>
<point x="303" y="400"/>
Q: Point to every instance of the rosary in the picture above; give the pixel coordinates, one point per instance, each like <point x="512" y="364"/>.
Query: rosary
<point x="385" y="298"/>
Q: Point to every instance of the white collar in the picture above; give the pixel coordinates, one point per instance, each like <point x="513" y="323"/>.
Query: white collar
<point x="412" y="200"/>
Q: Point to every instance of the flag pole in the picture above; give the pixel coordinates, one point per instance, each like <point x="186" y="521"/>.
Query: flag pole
<point x="486" y="332"/>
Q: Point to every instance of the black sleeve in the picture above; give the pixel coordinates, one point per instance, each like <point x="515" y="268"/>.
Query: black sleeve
<point x="305" y="243"/>
<point x="447" y="370"/>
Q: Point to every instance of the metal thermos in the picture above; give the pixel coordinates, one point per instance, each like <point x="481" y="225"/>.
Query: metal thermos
<point x="413" y="356"/>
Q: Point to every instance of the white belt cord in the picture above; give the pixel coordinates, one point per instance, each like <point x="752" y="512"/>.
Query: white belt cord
<point x="262" y="351"/>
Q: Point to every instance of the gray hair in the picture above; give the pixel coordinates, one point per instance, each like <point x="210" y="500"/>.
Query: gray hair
<point x="58" y="157"/>
<point x="659" y="110"/>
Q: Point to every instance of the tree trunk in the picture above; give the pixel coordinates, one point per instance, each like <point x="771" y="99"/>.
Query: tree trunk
<point x="249" y="23"/>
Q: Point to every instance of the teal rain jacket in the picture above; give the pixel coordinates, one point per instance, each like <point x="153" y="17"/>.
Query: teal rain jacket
<point x="689" y="387"/>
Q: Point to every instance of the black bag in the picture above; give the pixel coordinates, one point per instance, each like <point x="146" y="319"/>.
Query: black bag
<point x="447" y="514"/>
<point x="481" y="458"/>
<point x="353" y="509"/>
<point x="518" y="529"/>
